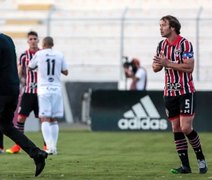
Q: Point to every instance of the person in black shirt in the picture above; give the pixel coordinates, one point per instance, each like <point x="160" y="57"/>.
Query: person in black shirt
<point x="9" y="91"/>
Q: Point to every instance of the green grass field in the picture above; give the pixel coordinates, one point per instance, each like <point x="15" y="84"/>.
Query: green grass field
<point x="85" y="155"/>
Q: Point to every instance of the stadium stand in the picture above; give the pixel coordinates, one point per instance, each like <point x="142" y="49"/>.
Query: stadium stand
<point x="35" y="6"/>
<point x="89" y="32"/>
<point x="19" y="17"/>
<point x="23" y="22"/>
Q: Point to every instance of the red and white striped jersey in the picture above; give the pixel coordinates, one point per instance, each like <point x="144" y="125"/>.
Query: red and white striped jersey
<point x="31" y="76"/>
<point x="177" y="82"/>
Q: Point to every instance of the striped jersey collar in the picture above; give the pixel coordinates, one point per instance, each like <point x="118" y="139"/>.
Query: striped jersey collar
<point x="175" y="42"/>
<point x="33" y="51"/>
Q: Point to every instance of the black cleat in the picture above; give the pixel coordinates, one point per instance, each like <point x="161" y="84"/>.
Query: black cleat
<point x="181" y="170"/>
<point x="203" y="168"/>
<point x="40" y="162"/>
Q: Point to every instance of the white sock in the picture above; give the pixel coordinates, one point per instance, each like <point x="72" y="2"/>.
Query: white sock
<point x="46" y="131"/>
<point x="54" y="133"/>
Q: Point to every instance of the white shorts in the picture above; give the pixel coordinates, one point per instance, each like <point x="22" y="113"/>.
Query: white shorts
<point x="51" y="104"/>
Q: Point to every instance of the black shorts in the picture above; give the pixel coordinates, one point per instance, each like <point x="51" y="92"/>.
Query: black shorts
<point x="29" y="103"/>
<point x="180" y="105"/>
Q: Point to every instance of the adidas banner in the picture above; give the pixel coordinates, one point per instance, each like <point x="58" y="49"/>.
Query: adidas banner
<point x="141" y="111"/>
<point x="128" y="111"/>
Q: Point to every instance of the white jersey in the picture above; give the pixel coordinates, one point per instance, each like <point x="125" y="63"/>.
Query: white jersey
<point x="49" y="64"/>
<point x="142" y="76"/>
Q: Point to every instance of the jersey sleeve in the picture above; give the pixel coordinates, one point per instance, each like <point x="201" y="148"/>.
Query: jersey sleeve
<point x="159" y="48"/>
<point x="187" y="50"/>
<point x="22" y="58"/>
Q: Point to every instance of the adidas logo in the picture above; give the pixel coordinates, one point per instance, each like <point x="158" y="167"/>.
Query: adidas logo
<point x="143" y="115"/>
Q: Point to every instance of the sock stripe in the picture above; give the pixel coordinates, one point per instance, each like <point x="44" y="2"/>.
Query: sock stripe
<point x="181" y="144"/>
<point x="194" y="140"/>
<point x="182" y="148"/>
<point x="20" y="126"/>
<point x="195" y="143"/>
<point x="180" y="141"/>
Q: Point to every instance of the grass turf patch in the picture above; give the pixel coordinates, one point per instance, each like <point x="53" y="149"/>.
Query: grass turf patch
<point x="85" y="155"/>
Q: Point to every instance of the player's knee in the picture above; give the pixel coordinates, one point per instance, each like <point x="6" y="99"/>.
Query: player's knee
<point x="53" y="120"/>
<point x="186" y="129"/>
<point x="176" y="128"/>
<point x="21" y="119"/>
<point x="45" y="119"/>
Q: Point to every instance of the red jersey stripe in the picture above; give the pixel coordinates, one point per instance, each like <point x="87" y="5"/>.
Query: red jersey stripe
<point x="31" y="76"/>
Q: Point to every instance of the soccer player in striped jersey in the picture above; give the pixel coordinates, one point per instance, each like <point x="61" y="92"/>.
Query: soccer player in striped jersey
<point x="29" y="100"/>
<point x="175" y="56"/>
<point x="49" y="64"/>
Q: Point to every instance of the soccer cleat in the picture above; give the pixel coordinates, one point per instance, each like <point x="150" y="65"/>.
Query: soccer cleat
<point x="51" y="151"/>
<point x="40" y="162"/>
<point x="1" y="150"/>
<point x="181" y="170"/>
<point x="203" y="168"/>
<point x="14" y="149"/>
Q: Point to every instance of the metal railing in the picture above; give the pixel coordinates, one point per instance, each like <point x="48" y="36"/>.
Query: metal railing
<point x="88" y="41"/>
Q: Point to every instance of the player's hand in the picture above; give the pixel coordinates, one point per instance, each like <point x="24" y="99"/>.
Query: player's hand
<point x="161" y="60"/>
<point x="156" y="67"/>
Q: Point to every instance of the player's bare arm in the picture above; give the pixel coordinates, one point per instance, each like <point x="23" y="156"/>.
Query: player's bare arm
<point x="186" y="66"/>
<point x="20" y="71"/>
<point x="65" y="72"/>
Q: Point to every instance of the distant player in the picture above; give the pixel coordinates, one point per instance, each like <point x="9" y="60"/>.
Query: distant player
<point x="175" y="55"/>
<point x="50" y="64"/>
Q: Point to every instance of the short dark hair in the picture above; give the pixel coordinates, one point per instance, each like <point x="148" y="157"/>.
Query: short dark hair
<point x="32" y="33"/>
<point x="173" y="22"/>
<point x="48" y="41"/>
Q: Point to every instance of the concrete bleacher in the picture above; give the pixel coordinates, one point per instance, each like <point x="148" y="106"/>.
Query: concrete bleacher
<point x="20" y="16"/>
<point x="88" y="32"/>
<point x="34" y="7"/>
<point x="23" y="21"/>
